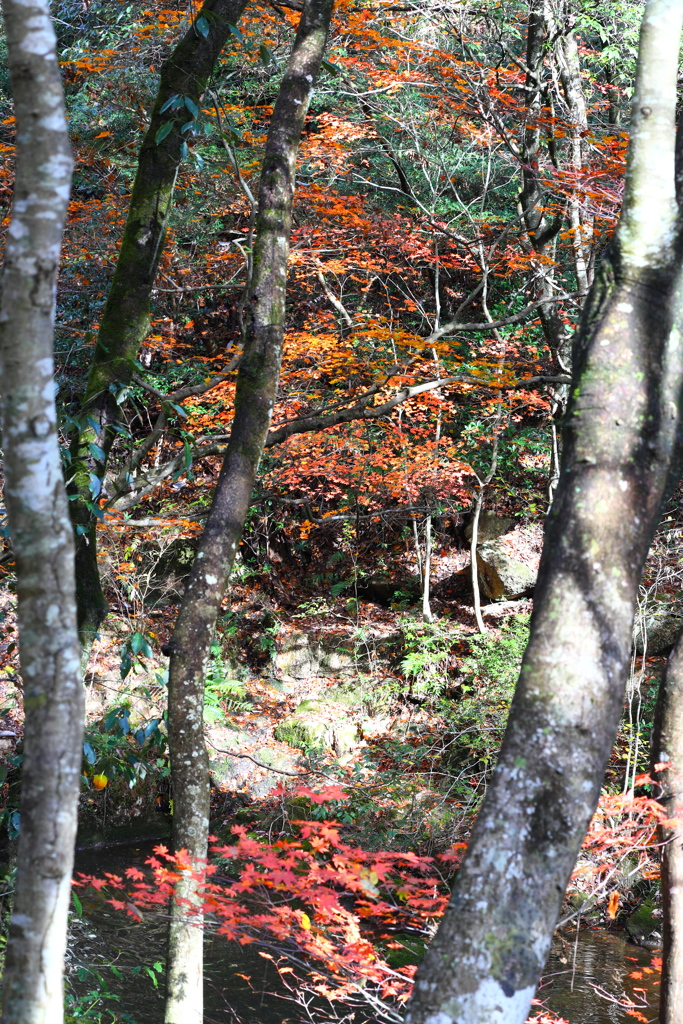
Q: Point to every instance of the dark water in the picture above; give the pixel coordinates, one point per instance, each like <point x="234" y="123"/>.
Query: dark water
<point x="583" y="976"/>
<point x="104" y="936"/>
<point x="577" y="969"/>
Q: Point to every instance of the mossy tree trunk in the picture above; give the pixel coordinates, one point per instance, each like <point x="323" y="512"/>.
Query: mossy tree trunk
<point x="667" y="755"/>
<point x="622" y="449"/>
<point x="257" y="382"/>
<point x="125" y="319"/>
<point x="38" y="515"/>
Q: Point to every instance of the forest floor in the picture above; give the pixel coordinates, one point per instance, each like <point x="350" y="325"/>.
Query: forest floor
<point x="313" y="685"/>
<point x="315" y="688"/>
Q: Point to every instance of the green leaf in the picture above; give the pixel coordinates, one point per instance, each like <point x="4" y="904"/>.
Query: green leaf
<point x="77" y="903"/>
<point x="137" y="642"/>
<point x="139" y="645"/>
<point x="236" y="33"/>
<point x="155" y="980"/>
<point x="332" y="68"/>
<point x="266" y="56"/>
<point x="202" y="26"/>
<point x="187" y="454"/>
<point x="177" y="408"/>
<point x="94" y="485"/>
<point x="171" y="102"/>
<point x="96" y="452"/>
<point x="165" y="130"/>
<point x="89" y="751"/>
<point x="192" y="107"/>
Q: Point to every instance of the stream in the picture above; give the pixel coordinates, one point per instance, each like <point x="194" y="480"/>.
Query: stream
<point x="584" y="972"/>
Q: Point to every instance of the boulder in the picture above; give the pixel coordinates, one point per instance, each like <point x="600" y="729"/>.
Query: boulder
<point x="170" y="570"/>
<point x="384" y="590"/>
<point x="661" y="623"/>
<point x="508" y="566"/>
<point x="490" y="527"/>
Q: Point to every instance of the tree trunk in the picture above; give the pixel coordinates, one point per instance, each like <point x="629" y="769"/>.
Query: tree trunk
<point x="38" y="516"/>
<point x="567" y="53"/>
<point x="257" y="382"/>
<point x="621" y="452"/>
<point x="667" y="748"/>
<point x="539" y="232"/>
<point x="125" y="320"/>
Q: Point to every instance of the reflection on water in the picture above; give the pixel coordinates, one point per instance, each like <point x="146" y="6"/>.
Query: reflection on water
<point x="104" y="936"/>
<point x="597" y="958"/>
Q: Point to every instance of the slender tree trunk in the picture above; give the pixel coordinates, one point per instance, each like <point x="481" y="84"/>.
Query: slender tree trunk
<point x="38" y="514"/>
<point x="125" y="320"/>
<point x="474" y="568"/>
<point x="539" y="232"/>
<point x="621" y="453"/>
<point x="570" y="77"/>
<point x="257" y="382"/>
<point x="667" y="748"/>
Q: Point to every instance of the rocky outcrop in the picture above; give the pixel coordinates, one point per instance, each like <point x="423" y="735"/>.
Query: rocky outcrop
<point x="300" y="657"/>
<point x="317" y="725"/>
<point x="508" y="566"/>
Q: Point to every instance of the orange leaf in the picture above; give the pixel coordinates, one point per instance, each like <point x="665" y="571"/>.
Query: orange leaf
<point x="613" y="905"/>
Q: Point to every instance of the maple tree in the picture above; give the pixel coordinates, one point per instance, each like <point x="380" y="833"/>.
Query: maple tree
<point x="353" y="923"/>
<point x="415" y="240"/>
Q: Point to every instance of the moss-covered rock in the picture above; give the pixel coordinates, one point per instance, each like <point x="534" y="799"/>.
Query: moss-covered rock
<point x="317" y="725"/>
<point x="508" y="566"/>
<point x="643" y="928"/>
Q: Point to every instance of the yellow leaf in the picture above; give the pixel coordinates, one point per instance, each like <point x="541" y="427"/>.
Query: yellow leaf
<point x="305" y="921"/>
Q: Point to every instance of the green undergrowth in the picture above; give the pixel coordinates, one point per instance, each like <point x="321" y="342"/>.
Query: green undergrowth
<point x="417" y="786"/>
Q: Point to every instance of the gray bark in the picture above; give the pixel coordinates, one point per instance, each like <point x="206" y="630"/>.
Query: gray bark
<point x="38" y="515"/>
<point x="667" y="748"/>
<point x="257" y="382"/>
<point x="621" y="452"/>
